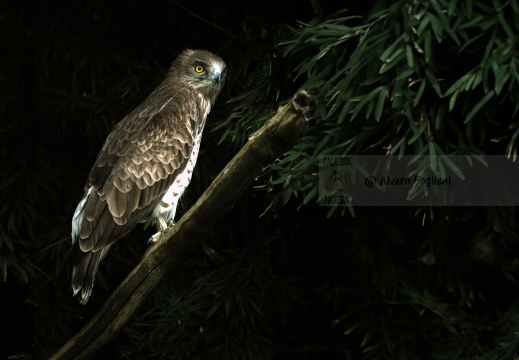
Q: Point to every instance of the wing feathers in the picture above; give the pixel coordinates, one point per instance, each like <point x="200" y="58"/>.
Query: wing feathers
<point x="116" y="201"/>
<point x="121" y="183"/>
<point x="104" y="232"/>
<point x="132" y="203"/>
<point x="138" y="163"/>
<point x="147" y="178"/>
<point x="92" y="209"/>
<point x="92" y="230"/>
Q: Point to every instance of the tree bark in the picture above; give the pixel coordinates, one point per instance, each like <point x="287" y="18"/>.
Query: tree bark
<point x="277" y="136"/>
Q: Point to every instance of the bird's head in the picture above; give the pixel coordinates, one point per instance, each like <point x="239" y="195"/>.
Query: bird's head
<point x="201" y="69"/>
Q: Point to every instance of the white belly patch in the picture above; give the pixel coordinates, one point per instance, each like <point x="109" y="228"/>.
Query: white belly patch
<point x="167" y="207"/>
<point x="168" y="204"/>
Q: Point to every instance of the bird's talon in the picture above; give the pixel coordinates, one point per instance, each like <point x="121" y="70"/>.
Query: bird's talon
<point x="153" y="239"/>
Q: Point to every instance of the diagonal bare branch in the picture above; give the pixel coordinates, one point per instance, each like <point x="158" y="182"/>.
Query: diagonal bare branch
<point x="277" y="136"/>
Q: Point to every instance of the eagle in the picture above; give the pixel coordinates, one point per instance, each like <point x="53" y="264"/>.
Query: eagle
<point x="145" y="163"/>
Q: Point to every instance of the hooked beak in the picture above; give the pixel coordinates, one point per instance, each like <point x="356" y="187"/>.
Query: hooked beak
<point x="217" y="79"/>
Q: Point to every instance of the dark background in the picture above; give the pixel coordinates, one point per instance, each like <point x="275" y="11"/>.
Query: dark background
<point x="290" y="282"/>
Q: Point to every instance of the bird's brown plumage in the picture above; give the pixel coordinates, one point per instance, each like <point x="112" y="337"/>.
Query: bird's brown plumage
<point x="141" y="159"/>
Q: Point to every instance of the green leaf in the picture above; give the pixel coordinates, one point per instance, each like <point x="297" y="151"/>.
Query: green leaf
<point x="423" y="24"/>
<point x="393" y="61"/>
<point x="279" y="180"/>
<point x="428" y="48"/>
<point x="311" y="194"/>
<point x="468" y="43"/>
<point x="477" y="79"/>
<point x="380" y="103"/>
<point x="438" y="121"/>
<point x="369" y="109"/>
<point x="345" y="110"/>
<point x="452" y="7"/>
<point x="432" y="153"/>
<point x="365" y="100"/>
<point x="479" y="105"/>
<point x="512" y="142"/>
<point x="418" y="131"/>
<point x="409" y="55"/>
<point x="469" y="8"/>
<point x="470" y="81"/>
<point x="453" y="167"/>
<point x="434" y="82"/>
<point x="419" y="94"/>
<point x="452" y="101"/>
<point x="406" y="74"/>
<point x="437" y="28"/>
<point x="501" y="75"/>
<point x="508" y="30"/>
<point x="389" y="52"/>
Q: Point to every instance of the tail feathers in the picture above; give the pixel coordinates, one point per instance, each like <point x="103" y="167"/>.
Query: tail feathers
<point x="83" y="274"/>
<point x="77" y="219"/>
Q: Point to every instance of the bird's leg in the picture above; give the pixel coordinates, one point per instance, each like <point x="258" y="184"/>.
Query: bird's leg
<point x="161" y="226"/>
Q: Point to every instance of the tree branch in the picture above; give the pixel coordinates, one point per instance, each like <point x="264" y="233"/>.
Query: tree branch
<point x="277" y="136"/>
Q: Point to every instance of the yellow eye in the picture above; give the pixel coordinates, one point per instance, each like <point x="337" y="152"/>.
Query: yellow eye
<point x="199" y="68"/>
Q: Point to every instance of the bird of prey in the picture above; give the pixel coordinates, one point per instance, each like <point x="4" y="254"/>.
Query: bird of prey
<point x="145" y="163"/>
